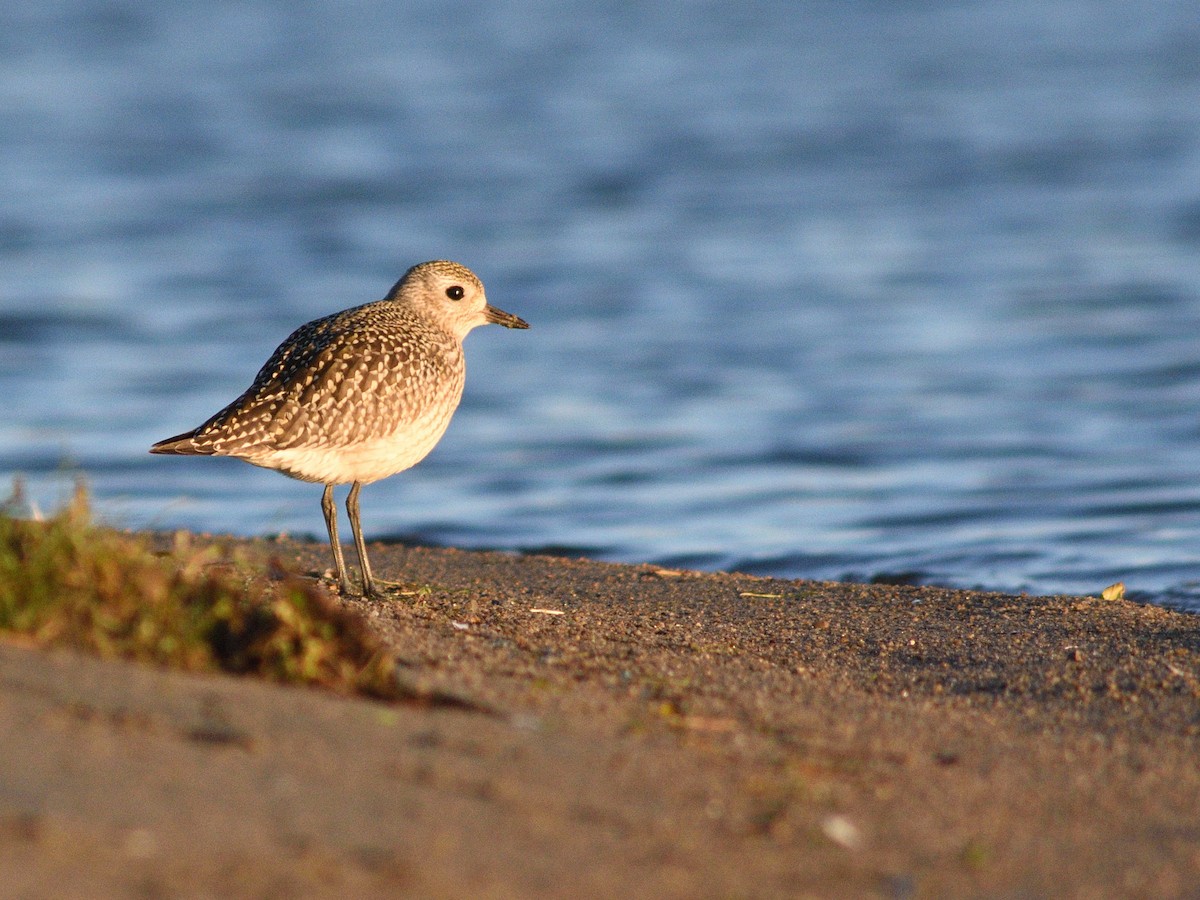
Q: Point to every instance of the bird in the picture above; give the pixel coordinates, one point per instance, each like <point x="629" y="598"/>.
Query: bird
<point x="356" y="396"/>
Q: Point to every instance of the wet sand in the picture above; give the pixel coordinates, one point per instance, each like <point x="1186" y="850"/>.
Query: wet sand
<point x="606" y="730"/>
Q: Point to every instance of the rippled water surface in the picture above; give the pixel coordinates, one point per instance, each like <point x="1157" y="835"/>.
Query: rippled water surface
<point x="835" y="290"/>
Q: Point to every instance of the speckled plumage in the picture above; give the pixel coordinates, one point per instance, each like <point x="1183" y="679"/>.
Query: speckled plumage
<point x="375" y="373"/>
<point x="358" y="395"/>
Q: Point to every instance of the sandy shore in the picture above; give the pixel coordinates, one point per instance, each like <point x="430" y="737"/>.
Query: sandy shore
<point x="624" y="731"/>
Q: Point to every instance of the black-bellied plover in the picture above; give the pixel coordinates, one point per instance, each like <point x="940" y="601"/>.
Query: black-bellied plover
<point x="358" y="395"/>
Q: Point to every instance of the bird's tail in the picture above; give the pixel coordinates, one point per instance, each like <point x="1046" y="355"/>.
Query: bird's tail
<point x="182" y="445"/>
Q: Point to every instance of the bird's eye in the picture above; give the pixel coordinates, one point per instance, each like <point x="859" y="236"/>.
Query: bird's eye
<point x="454" y="292"/>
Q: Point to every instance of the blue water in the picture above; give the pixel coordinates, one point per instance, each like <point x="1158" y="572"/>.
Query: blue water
<point x="839" y="290"/>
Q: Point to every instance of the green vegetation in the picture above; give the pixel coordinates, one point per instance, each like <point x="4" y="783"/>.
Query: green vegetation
<point x="66" y="582"/>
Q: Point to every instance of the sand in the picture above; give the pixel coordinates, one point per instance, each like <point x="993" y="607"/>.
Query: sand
<point x="605" y="730"/>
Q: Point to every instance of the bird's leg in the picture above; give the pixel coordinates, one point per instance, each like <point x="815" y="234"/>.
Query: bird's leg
<point x="329" y="508"/>
<point x="370" y="592"/>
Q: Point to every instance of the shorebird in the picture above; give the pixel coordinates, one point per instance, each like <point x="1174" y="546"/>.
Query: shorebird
<point x="356" y="396"/>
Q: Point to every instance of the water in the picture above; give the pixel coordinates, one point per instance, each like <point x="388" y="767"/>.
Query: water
<point x="842" y="290"/>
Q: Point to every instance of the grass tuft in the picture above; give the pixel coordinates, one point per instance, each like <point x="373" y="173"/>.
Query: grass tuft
<point x="66" y="582"/>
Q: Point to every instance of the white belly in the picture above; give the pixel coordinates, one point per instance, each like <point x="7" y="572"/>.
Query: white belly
<point x="365" y="461"/>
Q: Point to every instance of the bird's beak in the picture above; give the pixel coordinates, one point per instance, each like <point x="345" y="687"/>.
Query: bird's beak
<point x="500" y="317"/>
